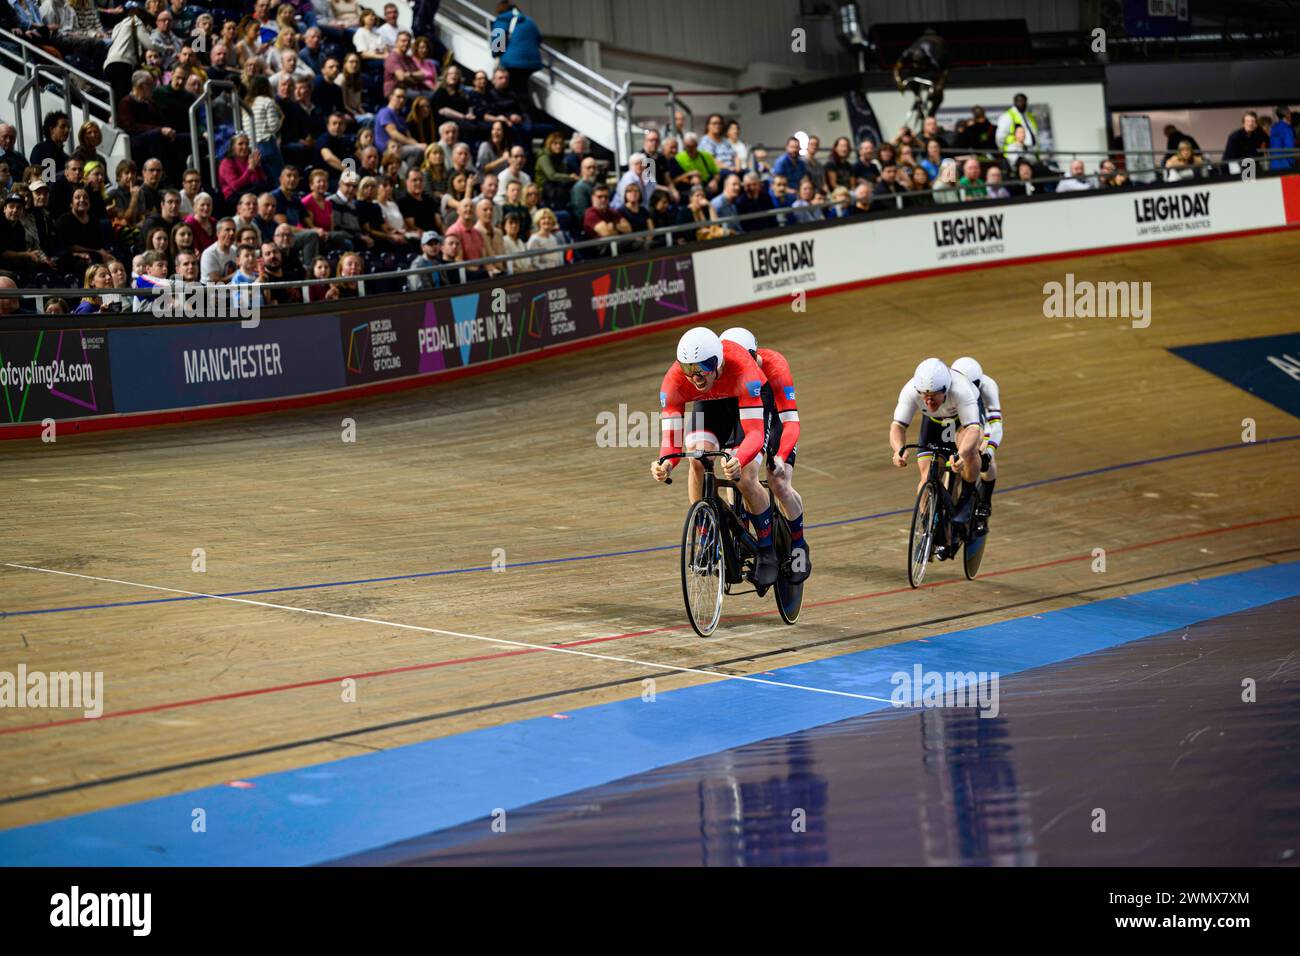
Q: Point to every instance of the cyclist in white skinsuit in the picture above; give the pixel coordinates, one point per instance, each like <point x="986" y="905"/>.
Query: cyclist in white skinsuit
<point x="950" y="409"/>
<point x="991" y="410"/>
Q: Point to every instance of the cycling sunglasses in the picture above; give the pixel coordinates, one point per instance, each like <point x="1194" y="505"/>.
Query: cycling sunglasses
<point x="691" y="369"/>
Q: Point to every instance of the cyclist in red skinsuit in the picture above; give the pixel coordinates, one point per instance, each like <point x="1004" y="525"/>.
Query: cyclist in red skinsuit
<point x="782" y="443"/>
<point x="727" y="385"/>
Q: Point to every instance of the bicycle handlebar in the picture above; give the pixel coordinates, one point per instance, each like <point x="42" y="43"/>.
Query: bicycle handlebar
<point x="937" y="449"/>
<point x="691" y="454"/>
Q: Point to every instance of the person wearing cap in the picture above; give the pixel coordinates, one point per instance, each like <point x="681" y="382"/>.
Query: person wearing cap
<point x="346" y="221"/>
<point x="40" y="221"/>
<point x="430" y="255"/>
<point x="16" y="253"/>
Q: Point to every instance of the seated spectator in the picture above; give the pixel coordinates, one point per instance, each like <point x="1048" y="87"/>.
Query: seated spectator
<point x="401" y="232"/>
<point x="724" y="204"/>
<point x="993" y="180"/>
<point x="782" y="197"/>
<point x="714" y="142"/>
<point x="933" y="159"/>
<point x="318" y="212"/>
<point x="600" y="221"/>
<point x="1248" y="142"/>
<point x="320" y="269"/>
<point x="245" y="274"/>
<point x="1022" y="185"/>
<point x="97" y="277"/>
<point x="514" y="205"/>
<point x="1183" y="164"/>
<point x="791" y="165"/>
<point x="544" y="237"/>
<point x="152" y="276"/>
<point x="805" y="207"/>
<point x="352" y="89"/>
<point x="249" y="47"/>
<point x="1019" y="148"/>
<point x="218" y="259"/>
<point x="887" y="186"/>
<point x="191" y="186"/>
<point x="694" y="162"/>
<point x="15" y="160"/>
<point x="425" y="62"/>
<point x="270" y="269"/>
<point x="347" y="221"/>
<point x="491" y="189"/>
<point x="919" y="193"/>
<point x="333" y="147"/>
<point x="326" y="92"/>
<point x="862" y="199"/>
<point x="15" y="253"/>
<point x="636" y="170"/>
<point x="186" y="265"/>
<point x="639" y="217"/>
<point x="201" y="222"/>
<point x="514" y="171"/>
<point x="312" y="53"/>
<point x="838" y="203"/>
<point x="866" y="166"/>
<point x="972" y="185"/>
<point x="182" y="240"/>
<point x="159" y="240"/>
<point x="389" y="28"/>
<point x="504" y="103"/>
<point x="430" y="255"/>
<point x="458" y="189"/>
<point x="664" y="212"/>
<point x="1076" y="181"/>
<point x="471" y="240"/>
<point x="555" y="182"/>
<point x="700" y="211"/>
<point x="291" y="260"/>
<point x="90" y="137"/>
<point x="434" y="171"/>
<point x="264" y="220"/>
<point x="579" y="149"/>
<point x="839" y="164"/>
<point x="64" y="183"/>
<point x="391" y="127"/>
<point x="303" y="125"/>
<point x="169" y="215"/>
<point x="512" y="243"/>
<point x="737" y="146"/>
<point x="450" y="103"/>
<point x="40" y="221"/>
<point x="401" y="69"/>
<point x="752" y="199"/>
<point x="369" y="44"/>
<point x="532" y="201"/>
<point x="494" y="152"/>
<point x="452" y="251"/>
<point x="420" y="121"/>
<point x="460" y="162"/>
<point x="980" y="135"/>
<point x="166" y="43"/>
<point x="419" y="211"/>
<point x="580" y="197"/>
<point x="51" y="152"/>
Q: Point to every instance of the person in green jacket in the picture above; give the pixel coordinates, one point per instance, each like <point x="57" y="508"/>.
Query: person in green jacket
<point x="551" y="177"/>
<point x="694" y="160"/>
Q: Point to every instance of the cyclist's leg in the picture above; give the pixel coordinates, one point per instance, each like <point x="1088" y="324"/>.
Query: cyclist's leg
<point x="789" y="500"/>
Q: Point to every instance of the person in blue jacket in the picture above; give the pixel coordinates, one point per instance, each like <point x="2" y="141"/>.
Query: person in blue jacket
<point x="1282" y="137"/>
<point x="517" y="43"/>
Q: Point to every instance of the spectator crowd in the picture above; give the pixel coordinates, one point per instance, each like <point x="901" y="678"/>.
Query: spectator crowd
<point x="346" y="146"/>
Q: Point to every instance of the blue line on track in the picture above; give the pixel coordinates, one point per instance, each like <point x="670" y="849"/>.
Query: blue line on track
<point x="348" y="806"/>
<point x="619" y="554"/>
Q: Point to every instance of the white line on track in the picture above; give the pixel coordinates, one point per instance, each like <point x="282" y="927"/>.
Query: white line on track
<point x="473" y="637"/>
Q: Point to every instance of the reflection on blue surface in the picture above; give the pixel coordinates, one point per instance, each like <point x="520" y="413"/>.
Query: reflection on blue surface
<point x="777" y="821"/>
<point x="973" y="812"/>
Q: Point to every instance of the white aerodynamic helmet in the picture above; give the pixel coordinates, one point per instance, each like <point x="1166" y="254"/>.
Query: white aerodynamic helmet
<point x="970" y="368"/>
<point x="700" y="347"/>
<point x="742" y="337"/>
<point x="931" y="376"/>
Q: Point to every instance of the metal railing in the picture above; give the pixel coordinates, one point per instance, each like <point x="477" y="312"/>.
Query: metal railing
<point x="203" y="102"/>
<point x="35" y="64"/>
<point x="623" y="105"/>
<point x="665" y="235"/>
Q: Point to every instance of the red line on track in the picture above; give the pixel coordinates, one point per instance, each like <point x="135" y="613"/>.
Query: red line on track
<point x="259" y="691"/>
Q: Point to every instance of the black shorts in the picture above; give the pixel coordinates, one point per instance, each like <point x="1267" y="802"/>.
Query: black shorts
<point x="716" y="420"/>
<point x="943" y="434"/>
<point x="720" y="419"/>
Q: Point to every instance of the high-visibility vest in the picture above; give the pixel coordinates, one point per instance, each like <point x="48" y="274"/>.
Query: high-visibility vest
<point x="1018" y="120"/>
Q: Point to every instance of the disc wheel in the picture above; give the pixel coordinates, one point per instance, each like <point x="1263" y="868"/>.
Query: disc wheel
<point x="702" y="567"/>
<point x="789" y="596"/>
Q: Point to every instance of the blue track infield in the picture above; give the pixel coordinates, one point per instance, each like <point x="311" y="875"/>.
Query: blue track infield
<point x="344" y="807"/>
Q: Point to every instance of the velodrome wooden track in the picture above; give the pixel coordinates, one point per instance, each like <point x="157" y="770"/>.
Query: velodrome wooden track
<point x="204" y="691"/>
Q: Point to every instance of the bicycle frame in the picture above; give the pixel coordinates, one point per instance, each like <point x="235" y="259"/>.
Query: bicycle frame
<point x="738" y="545"/>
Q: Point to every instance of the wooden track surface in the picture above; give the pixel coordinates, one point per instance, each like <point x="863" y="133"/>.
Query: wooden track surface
<point x="439" y="478"/>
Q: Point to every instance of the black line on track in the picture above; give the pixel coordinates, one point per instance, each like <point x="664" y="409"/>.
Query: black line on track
<point x="480" y="708"/>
